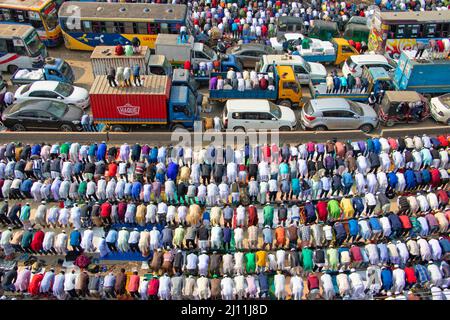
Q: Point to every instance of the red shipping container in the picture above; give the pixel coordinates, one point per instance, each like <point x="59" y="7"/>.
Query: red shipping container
<point x="146" y="104"/>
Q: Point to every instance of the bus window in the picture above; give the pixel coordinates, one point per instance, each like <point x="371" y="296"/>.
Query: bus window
<point x="414" y="31"/>
<point x="110" y="27"/>
<point x="429" y="30"/>
<point x="87" y="26"/>
<point x="3" y="46"/>
<point x="96" y="27"/>
<point x="118" y="27"/>
<point x="20" y="16"/>
<point x="142" y="28"/>
<point x="164" y="28"/>
<point x="445" y="30"/>
<point x="5" y="14"/>
<point x="128" y="27"/>
<point x="153" y="28"/>
<point x="35" y="20"/>
<point x="49" y="15"/>
<point x="400" y="32"/>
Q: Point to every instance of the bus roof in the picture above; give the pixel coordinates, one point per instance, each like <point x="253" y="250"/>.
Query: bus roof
<point x="124" y="11"/>
<point x="14" y="30"/>
<point x="29" y="4"/>
<point x="418" y="17"/>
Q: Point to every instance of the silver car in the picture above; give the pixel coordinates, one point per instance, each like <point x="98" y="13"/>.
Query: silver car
<point x="338" y="114"/>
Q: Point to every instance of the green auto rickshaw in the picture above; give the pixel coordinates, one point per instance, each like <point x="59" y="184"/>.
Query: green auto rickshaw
<point x="324" y="30"/>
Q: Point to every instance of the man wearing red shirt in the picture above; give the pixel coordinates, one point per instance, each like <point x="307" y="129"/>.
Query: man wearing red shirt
<point x="133" y="285"/>
<point x="112" y="169"/>
<point x="410" y="274"/>
<point x="356" y="255"/>
<point x="406" y="224"/>
<point x="121" y="209"/>
<point x="153" y="287"/>
<point x="252" y="216"/>
<point x="35" y="284"/>
<point x="38" y="239"/>
<point x="313" y="286"/>
<point x="443" y="140"/>
<point x="322" y="212"/>
<point x="105" y="212"/>
<point x="442" y="197"/>
<point x="435" y="177"/>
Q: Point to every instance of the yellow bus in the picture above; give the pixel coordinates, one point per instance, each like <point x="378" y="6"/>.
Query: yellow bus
<point x="393" y="32"/>
<point x="40" y="14"/>
<point x="88" y="24"/>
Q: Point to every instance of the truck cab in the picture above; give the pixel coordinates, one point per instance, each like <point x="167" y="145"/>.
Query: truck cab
<point x="343" y="50"/>
<point x="289" y="90"/>
<point x="202" y="53"/>
<point x="183" y="111"/>
<point x="158" y="65"/>
<point x="58" y="70"/>
<point x="182" y="77"/>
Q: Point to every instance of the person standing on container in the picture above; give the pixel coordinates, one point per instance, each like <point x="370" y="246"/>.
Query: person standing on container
<point x="127" y="76"/>
<point x="136" y="75"/>
<point x="112" y="77"/>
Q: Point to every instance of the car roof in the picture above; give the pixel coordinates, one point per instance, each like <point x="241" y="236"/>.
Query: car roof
<point x="248" y="105"/>
<point x="44" y="85"/>
<point x="293" y="35"/>
<point x="362" y="58"/>
<point x="330" y="104"/>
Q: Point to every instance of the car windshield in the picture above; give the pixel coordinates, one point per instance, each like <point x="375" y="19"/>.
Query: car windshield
<point x="25" y="88"/>
<point x="445" y="100"/>
<point x="308" y="67"/>
<point x="64" y="89"/>
<point x="275" y="110"/>
<point x="308" y="109"/>
<point x="351" y="64"/>
<point x="356" y="108"/>
<point x="65" y="69"/>
<point x="57" y="109"/>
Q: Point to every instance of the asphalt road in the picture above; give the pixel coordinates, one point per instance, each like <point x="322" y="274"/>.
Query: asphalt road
<point x="80" y="62"/>
<point x="193" y="138"/>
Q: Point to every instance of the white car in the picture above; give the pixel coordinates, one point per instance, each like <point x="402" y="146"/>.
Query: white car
<point x="440" y="108"/>
<point x="355" y="64"/>
<point x="53" y="90"/>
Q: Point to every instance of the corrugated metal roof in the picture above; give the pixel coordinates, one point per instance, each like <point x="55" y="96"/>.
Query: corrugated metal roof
<point x="151" y="85"/>
<point x="25" y="3"/>
<point x="14" y="30"/>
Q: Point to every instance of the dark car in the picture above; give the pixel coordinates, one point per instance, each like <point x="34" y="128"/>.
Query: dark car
<point x="42" y="115"/>
<point x="249" y="54"/>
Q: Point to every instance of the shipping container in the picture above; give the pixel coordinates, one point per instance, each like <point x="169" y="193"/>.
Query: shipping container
<point x="103" y="58"/>
<point x="146" y="104"/>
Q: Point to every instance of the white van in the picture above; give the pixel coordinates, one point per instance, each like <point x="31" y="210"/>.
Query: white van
<point x="304" y="70"/>
<point x="354" y="64"/>
<point x="247" y="114"/>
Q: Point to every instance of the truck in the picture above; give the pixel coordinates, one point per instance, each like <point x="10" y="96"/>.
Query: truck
<point x="377" y="77"/>
<point x="177" y="52"/>
<point x="286" y="92"/>
<point x="426" y="75"/>
<point x="158" y="102"/>
<point x="335" y="51"/>
<point x="55" y="69"/>
<point x="103" y="58"/>
<point x="304" y="70"/>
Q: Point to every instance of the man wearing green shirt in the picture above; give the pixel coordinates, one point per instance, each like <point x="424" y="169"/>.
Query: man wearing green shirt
<point x="25" y="213"/>
<point x="307" y="259"/>
<point x="333" y="258"/>
<point x="26" y="240"/>
<point x="64" y="150"/>
<point x="82" y="189"/>
<point x="268" y="215"/>
<point x="250" y="259"/>
<point x="334" y="211"/>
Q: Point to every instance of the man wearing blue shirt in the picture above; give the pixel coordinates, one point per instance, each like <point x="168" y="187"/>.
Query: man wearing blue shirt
<point x="386" y="279"/>
<point x="353" y="230"/>
<point x="136" y="190"/>
<point x="75" y="240"/>
<point x="101" y="151"/>
<point x="111" y="239"/>
<point x="25" y="188"/>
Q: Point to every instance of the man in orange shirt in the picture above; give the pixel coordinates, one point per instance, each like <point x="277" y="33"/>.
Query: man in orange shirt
<point x="280" y="236"/>
<point x="133" y="285"/>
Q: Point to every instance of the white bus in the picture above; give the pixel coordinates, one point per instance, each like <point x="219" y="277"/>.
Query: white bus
<point x="20" y="47"/>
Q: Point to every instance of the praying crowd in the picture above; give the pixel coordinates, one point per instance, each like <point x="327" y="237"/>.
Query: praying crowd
<point x="329" y="220"/>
